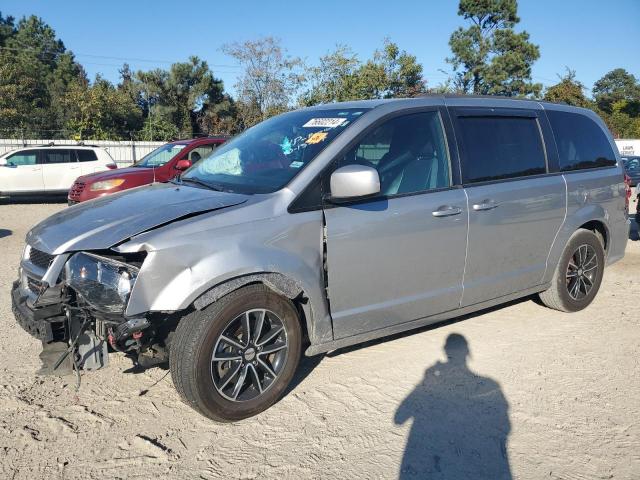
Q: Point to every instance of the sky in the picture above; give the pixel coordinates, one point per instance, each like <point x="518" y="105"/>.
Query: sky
<point x="589" y="36"/>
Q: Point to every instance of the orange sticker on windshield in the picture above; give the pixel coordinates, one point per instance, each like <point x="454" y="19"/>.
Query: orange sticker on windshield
<point x="316" y="138"/>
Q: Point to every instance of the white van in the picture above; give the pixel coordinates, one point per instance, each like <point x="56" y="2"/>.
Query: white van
<point x="49" y="169"/>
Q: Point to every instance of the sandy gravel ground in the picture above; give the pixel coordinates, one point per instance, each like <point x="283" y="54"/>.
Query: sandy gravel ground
<point x="562" y="389"/>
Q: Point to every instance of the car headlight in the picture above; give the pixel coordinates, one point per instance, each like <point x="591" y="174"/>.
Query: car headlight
<point x="103" y="283"/>
<point x="107" y="184"/>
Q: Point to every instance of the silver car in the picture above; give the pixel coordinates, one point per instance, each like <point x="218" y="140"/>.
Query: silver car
<point x="322" y="228"/>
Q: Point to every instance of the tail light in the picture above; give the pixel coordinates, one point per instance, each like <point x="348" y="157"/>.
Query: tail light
<point x="111" y="166"/>
<point x="627" y="191"/>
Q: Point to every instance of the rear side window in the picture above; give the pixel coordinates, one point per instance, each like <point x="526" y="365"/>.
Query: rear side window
<point x="501" y="147"/>
<point x="581" y="142"/>
<point x="23" y="158"/>
<point x="86" y="155"/>
<point x="58" y="156"/>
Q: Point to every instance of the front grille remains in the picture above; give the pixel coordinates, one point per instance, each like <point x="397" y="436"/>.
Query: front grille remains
<point x="76" y="189"/>
<point x="39" y="258"/>
<point x="34" y="285"/>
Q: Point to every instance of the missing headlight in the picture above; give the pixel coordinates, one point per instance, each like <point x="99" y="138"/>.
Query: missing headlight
<point x="105" y="284"/>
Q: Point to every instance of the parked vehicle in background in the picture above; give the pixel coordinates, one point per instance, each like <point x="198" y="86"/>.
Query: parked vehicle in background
<point x="160" y="165"/>
<point x="326" y="227"/>
<point x="632" y="168"/>
<point x="49" y="169"/>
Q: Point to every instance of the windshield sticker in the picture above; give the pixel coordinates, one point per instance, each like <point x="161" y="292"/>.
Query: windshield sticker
<point x="286" y="146"/>
<point x="296" y="164"/>
<point x="324" y="122"/>
<point x="316" y="138"/>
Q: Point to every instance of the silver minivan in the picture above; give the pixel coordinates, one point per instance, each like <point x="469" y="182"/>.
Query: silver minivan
<point x="322" y="228"/>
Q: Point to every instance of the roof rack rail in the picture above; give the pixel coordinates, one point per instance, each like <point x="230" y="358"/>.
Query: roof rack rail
<point x="54" y="144"/>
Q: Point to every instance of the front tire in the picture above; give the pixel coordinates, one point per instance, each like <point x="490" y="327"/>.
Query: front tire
<point x="236" y="357"/>
<point x="578" y="275"/>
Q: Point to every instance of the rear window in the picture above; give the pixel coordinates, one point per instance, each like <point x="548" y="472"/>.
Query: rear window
<point x="501" y="147"/>
<point x="58" y="156"/>
<point x="86" y="155"/>
<point x="581" y="142"/>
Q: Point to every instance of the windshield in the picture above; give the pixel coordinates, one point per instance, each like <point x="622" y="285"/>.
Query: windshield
<point x="266" y="157"/>
<point x="159" y="156"/>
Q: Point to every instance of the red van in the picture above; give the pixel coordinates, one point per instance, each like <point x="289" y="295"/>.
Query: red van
<point x="161" y="165"/>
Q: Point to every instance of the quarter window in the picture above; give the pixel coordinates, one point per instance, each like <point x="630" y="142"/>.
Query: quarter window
<point x="23" y="158"/>
<point x="58" y="156"/>
<point x="409" y="152"/>
<point x="581" y="142"/>
<point x="501" y="147"/>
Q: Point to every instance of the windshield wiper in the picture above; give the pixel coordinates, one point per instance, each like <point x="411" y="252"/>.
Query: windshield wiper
<point x="197" y="181"/>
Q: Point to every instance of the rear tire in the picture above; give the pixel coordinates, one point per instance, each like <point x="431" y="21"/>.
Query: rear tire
<point x="578" y="275"/>
<point x="227" y="374"/>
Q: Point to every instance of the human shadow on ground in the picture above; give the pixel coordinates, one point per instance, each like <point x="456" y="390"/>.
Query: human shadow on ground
<point x="460" y="422"/>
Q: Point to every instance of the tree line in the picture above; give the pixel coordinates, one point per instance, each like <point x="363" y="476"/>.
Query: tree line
<point x="46" y="93"/>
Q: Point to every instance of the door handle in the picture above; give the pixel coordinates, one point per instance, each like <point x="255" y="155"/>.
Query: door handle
<point x="446" y="211"/>
<point x="485" y="205"/>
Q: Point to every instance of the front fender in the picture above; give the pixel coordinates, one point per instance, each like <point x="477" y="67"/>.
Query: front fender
<point x="286" y="251"/>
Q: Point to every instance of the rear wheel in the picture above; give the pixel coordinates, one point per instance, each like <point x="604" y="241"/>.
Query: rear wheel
<point x="578" y="275"/>
<point x="236" y="357"/>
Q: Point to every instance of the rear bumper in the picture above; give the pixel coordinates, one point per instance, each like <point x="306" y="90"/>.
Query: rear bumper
<point x="48" y="323"/>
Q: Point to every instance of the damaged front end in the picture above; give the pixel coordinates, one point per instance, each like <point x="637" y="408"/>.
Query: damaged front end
<point x="75" y="304"/>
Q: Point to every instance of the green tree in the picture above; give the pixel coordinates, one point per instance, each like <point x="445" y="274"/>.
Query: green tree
<point x="568" y="90"/>
<point x="340" y="76"/>
<point x="182" y="96"/>
<point x="618" y="86"/>
<point x="37" y="70"/>
<point x="100" y="111"/>
<point x="7" y="28"/>
<point x="334" y="79"/>
<point x="620" y="122"/>
<point x="489" y="57"/>
<point x="269" y="81"/>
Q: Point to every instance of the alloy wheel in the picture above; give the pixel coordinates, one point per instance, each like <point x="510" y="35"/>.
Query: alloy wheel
<point x="582" y="272"/>
<point x="249" y="355"/>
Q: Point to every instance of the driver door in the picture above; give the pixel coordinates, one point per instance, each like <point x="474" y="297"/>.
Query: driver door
<point x="399" y="256"/>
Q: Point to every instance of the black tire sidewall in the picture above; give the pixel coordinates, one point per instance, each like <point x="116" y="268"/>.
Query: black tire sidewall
<point x="582" y="237"/>
<point x="209" y="399"/>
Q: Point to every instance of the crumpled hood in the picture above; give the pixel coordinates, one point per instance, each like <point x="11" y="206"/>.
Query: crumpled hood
<point x="106" y="221"/>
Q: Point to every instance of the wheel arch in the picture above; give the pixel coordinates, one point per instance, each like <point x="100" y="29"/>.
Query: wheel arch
<point x="598" y="227"/>
<point x="590" y="217"/>
<point x="279" y="283"/>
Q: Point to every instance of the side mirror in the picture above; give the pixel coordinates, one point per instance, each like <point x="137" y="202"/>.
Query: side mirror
<point x="182" y="165"/>
<point x="3" y="162"/>
<point x="354" y="181"/>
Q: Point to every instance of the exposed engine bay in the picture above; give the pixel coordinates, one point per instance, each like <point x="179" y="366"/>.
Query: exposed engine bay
<point x="80" y="317"/>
